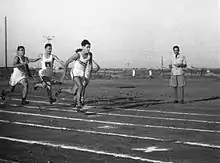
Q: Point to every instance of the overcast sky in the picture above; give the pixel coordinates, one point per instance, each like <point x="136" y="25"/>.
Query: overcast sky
<point x="138" y="32"/>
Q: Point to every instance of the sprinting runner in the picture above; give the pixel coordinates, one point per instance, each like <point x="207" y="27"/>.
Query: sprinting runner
<point x="82" y="58"/>
<point x="46" y="72"/>
<point x="92" y="66"/>
<point x="73" y="89"/>
<point x="177" y="78"/>
<point x="20" y="74"/>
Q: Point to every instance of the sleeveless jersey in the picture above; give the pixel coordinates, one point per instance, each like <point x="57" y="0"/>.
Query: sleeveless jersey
<point x="18" y="73"/>
<point x="80" y="66"/>
<point x="47" y="66"/>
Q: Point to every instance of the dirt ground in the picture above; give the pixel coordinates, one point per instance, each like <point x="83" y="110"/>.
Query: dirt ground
<point x="127" y="121"/>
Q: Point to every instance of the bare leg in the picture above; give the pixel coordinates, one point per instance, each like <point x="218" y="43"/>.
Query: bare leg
<point x="182" y="94"/>
<point x="47" y="83"/>
<point x="175" y="94"/>
<point x="24" y="83"/>
<point x="7" y="91"/>
<point x="71" y="91"/>
<point x="78" y="81"/>
<point x="85" y="84"/>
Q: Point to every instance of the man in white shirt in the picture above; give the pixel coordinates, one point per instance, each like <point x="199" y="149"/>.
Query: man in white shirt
<point x="133" y="72"/>
<point x="151" y="74"/>
<point x="177" y="78"/>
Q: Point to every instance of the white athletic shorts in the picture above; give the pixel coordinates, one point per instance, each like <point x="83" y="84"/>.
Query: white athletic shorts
<point x="16" y="77"/>
<point x="48" y="72"/>
<point x="77" y="72"/>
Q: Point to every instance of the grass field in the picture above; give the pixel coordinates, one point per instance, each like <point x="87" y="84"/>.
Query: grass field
<point x="128" y="121"/>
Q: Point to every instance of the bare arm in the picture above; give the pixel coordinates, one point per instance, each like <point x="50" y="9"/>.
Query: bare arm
<point x="71" y="59"/>
<point x="34" y="59"/>
<point x="97" y="67"/>
<point x="58" y="60"/>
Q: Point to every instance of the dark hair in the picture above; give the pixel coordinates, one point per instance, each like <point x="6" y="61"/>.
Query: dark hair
<point x="78" y="50"/>
<point x="20" y="47"/>
<point x="85" y="42"/>
<point x="47" y="44"/>
<point x="174" y="47"/>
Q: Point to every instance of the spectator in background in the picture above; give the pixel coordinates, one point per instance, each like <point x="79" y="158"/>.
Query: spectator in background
<point x="151" y="74"/>
<point x="177" y="79"/>
<point x="133" y="72"/>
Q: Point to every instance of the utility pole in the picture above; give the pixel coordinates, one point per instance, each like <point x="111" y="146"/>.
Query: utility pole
<point x="6" y="46"/>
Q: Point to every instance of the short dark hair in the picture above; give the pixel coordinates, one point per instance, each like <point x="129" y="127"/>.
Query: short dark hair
<point x="47" y="44"/>
<point x="20" y="47"/>
<point x="78" y="50"/>
<point x="174" y="47"/>
<point x="85" y="42"/>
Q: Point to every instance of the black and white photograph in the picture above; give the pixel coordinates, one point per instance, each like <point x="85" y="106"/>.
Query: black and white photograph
<point x="109" y="81"/>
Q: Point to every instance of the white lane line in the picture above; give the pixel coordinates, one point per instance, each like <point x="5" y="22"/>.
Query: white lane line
<point x="161" y="118"/>
<point x="199" y="144"/>
<point x="110" y="122"/>
<point x="107" y="127"/>
<point x="140" y="110"/>
<point x="8" y="161"/>
<point x="83" y="131"/>
<point x="112" y="134"/>
<point x="131" y="116"/>
<point x="151" y="149"/>
<point x="70" y="147"/>
<point x="168" y="112"/>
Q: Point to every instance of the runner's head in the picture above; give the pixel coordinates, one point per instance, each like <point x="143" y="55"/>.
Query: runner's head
<point x="20" y="50"/>
<point x="48" y="48"/>
<point x="176" y="50"/>
<point x="85" y="46"/>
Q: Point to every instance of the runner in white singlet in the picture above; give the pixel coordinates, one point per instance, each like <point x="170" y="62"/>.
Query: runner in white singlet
<point x="91" y="66"/>
<point x="46" y="71"/>
<point x="81" y="58"/>
<point x="20" y="74"/>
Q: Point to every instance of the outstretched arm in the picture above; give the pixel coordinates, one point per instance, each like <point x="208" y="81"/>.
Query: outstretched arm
<point x="58" y="60"/>
<point x="35" y="59"/>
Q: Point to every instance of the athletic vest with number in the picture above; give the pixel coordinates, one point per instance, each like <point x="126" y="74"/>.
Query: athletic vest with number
<point x="47" y="62"/>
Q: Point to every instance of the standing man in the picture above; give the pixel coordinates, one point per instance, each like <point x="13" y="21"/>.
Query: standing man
<point x="133" y="72"/>
<point x="151" y="74"/>
<point x="177" y="79"/>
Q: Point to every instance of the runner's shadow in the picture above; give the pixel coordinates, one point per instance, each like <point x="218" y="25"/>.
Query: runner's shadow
<point x="203" y="99"/>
